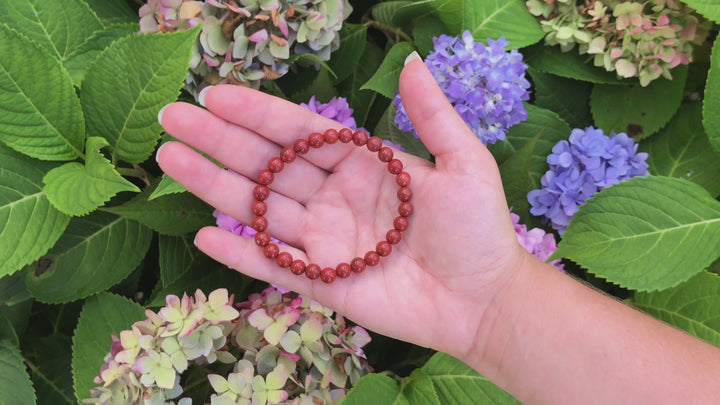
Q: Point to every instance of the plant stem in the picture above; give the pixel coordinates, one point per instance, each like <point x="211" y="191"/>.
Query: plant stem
<point x="136" y="171"/>
<point x="388" y="30"/>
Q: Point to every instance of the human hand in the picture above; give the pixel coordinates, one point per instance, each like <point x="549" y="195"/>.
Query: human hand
<point x="456" y="258"/>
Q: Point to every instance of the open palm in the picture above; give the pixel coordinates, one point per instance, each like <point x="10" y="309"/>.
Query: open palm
<point x="337" y="202"/>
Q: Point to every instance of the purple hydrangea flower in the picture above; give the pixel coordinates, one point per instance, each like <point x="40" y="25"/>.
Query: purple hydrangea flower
<point x="485" y="84"/>
<point x="587" y="163"/>
<point x="336" y="109"/>
<point x="536" y="241"/>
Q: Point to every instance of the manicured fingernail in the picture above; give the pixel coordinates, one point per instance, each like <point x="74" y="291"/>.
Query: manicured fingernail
<point x="202" y="94"/>
<point x="414" y="55"/>
<point x="157" y="152"/>
<point x="195" y="240"/>
<point x="161" y="112"/>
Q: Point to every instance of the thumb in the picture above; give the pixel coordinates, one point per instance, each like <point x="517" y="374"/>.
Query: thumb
<point x="438" y="125"/>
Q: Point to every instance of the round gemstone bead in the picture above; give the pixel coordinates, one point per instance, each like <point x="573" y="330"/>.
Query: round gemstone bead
<point x="262" y="239"/>
<point x="271" y="251"/>
<point x="259" y="223"/>
<point x="330" y="136"/>
<point x="374" y="144"/>
<point x="259" y="208"/>
<point x="343" y="270"/>
<point x="395" y="166"/>
<point x="357" y="265"/>
<point x="297" y="267"/>
<point x="403" y="179"/>
<point x="275" y="165"/>
<point x="261" y="192"/>
<point x="312" y="271"/>
<point x="406" y="209"/>
<point x="401" y="223"/>
<point x="393" y="236"/>
<point x="372" y="258"/>
<point x="404" y="194"/>
<point x="301" y="146"/>
<point x="288" y="154"/>
<point x="383" y="248"/>
<point x="316" y="140"/>
<point x="385" y="154"/>
<point x="265" y="177"/>
<point x="284" y="259"/>
<point x="345" y="135"/>
<point x="360" y="137"/>
<point x="328" y="275"/>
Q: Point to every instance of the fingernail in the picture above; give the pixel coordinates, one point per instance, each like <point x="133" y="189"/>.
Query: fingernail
<point x="195" y="240"/>
<point x="414" y="55"/>
<point x="202" y="94"/>
<point x="161" y="112"/>
<point x="157" y="152"/>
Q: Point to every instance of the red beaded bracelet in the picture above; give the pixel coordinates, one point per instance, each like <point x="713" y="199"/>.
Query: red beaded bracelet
<point x="287" y="155"/>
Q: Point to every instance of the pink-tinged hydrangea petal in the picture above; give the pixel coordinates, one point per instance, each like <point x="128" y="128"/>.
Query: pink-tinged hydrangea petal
<point x="260" y="319"/>
<point x="312" y="328"/>
<point x="259" y="36"/>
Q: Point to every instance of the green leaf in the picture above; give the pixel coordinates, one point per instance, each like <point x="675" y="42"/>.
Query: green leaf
<point x="58" y="26"/>
<point x="12" y="290"/>
<point x="692" y="306"/>
<point x="176" y="255"/>
<point x="15" y="385"/>
<point x="174" y="214"/>
<point x="711" y="104"/>
<point x="522" y="156"/>
<point x="353" y="38"/>
<point x="143" y="73"/>
<point x="569" y="98"/>
<point x="103" y="315"/>
<point x="51" y="372"/>
<point x="40" y="115"/>
<point x="376" y="389"/>
<point x="8" y="332"/>
<point x="16" y="319"/>
<point x="458" y="384"/>
<point x="167" y="185"/>
<point x="710" y="9"/>
<point x="29" y="224"/>
<point x="646" y="233"/>
<point x="310" y="59"/>
<point x="387" y="129"/>
<point x="682" y="150"/>
<point x="419" y="389"/>
<point x="361" y="100"/>
<point x="95" y="253"/>
<point x="635" y="110"/>
<point x="415" y="10"/>
<point x="82" y="56"/>
<point x="321" y="87"/>
<point x="549" y="59"/>
<point x="114" y="11"/>
<point x="424" y="30"/>
<point x="385" y="79"/>
<point x="385" y="11"/>
<point x="76" y="189"/>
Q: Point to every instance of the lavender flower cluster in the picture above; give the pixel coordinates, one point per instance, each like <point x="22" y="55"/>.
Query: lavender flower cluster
<point x="536" y="241"/>
<point x="587" y="163"/>
<point x="485" y="84"/>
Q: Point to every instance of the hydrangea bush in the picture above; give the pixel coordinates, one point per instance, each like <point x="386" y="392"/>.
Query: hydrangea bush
<point x="609" y="155"/>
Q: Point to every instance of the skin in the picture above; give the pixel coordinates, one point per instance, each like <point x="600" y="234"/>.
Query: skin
<point x="535" y="332"/>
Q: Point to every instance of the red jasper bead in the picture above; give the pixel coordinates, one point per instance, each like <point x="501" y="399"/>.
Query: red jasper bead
<point x="395" y="166"/>
<point x="259" y="223"/>
<point x="259" y="208"/>
<point x="276" y="165"/>
<point x="401" y="223"/>
<point x="393" y="236"/>
<point x="360" y="137"/>
<point x="297" y="267"/>
<point x="374" y="144"/>
<point x="343" y="270"/>
<point x="404" y="194"/>
<point x="271" y="251"/>
<point x="288" y="154"/>
<point x="385" y="154"/>
<point x="284" y="259"/>
<point x="312" y="271"/>
<point x="406" y="209"/>
<point x="328" y="275"/>
<point x="403" y="179"/>
<point x="262" y="239"/>
<point x="357" y="265"/>
<point x="316" y="140"/>
<point x="345" y="135"/>
<point x="372" y="258"/>
<point x="301" y="146"/>
<point x="383" y="248"/>
<point x="330" y="136"/>
<point x="261" y="193"/>
<point x="265" y="177"/>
